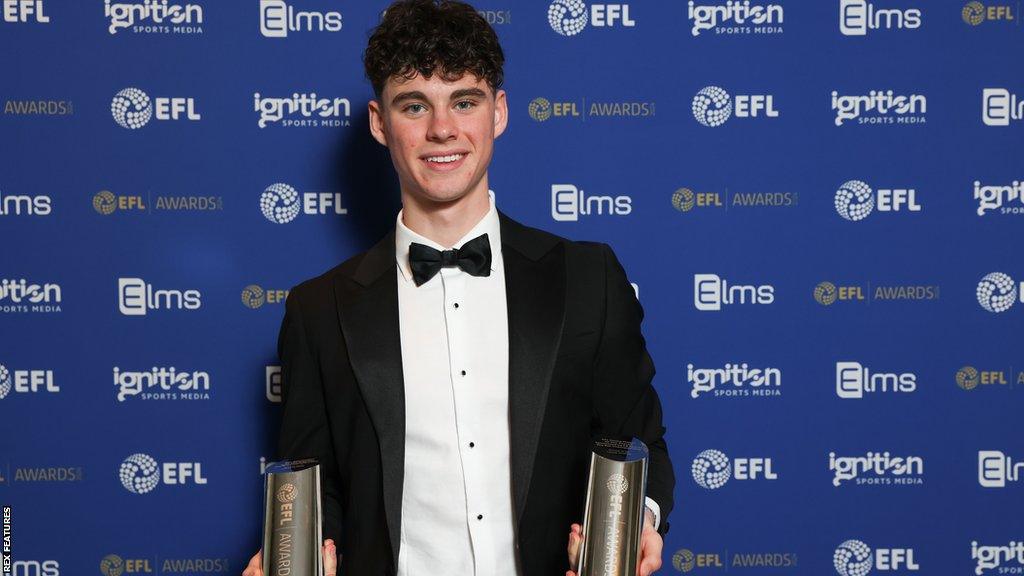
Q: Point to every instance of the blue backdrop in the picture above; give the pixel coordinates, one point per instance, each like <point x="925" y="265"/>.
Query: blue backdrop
<point x="825" y="192"/>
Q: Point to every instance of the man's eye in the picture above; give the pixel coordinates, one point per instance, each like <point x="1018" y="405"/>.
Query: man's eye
<point x="414" y="108"/>
<point x="465" y="104"/>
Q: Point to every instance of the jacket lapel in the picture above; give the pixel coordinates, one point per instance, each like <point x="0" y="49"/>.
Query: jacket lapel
<point x="535" y="298"/>
<point x="368" y="312"/>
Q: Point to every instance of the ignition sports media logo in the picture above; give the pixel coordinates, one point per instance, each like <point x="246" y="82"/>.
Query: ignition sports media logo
<point x="993" y="557"/>
<point x="23" y="11"/>
<point x="162" y="383"/>
<point x="854" y="381"/>
<point x="281" y="203"/>
<point x="712" y="106"/>
<point x="686" y="560"/>
<point x="855" y="558"/>
<point x="132" y="108"/>
<point x="855" y="200"/>
<point x="687" y="200"/>
<point x="711" y="469"/>
<point x="25" y="205"/>
<point x="255" y="296"/>
<point x="828" y="293"/>
<point x="1000" y="197"/>
<point x="711" y="292"/>
<point x="734" y="380"/>
<point x="970" y="378"/>
<point x="141" y="474"/>
<point x="976" y="13"/>
<point x="541" y="109"/>
<point x="39" y="107"/>
<point x="278" y="19"/>
<point x="880" y="107"/>
<point x="106" y="203"/>
<point x="735" y="17"/>
<point x="303" y="110"/>
<point x="997" y="292"/>
<point x="34" y="381"/>
<point x="996" y="469"/>
<point x="876" y="469"/>
<point x="569" y="204"/>
<point x="154" y="17"/>
<point x="858" y="17"/>
<point x="999" y="107"/>
<point x="18" y="295"/>
<point x="570" y="17"/>
<point x="273" y="384"/>
<point x="136" y="297"/>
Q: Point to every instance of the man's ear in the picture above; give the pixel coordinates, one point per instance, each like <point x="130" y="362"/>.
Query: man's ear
<point x="500" y="113"/>
<point x="377" y="122"/>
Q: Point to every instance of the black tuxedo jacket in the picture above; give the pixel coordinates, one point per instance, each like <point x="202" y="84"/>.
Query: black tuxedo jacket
<point x="578" y="367"/>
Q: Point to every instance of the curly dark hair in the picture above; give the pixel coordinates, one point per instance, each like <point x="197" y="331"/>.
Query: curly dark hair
<point x="429" y="36"/>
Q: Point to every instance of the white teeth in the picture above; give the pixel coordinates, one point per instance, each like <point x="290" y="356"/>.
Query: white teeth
<point x="445" y="159"/>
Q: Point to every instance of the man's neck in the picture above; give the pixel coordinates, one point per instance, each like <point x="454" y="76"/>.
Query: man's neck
<point x="445" y="223"/>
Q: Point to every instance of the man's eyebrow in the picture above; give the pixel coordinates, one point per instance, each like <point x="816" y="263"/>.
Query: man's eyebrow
<point x="462" y="93"/>
<point x="417" y="95"/>
<point x="412" y="95"/>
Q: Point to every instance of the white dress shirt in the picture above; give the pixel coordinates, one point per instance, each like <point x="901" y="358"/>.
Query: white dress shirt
<point x="457" y="497"/>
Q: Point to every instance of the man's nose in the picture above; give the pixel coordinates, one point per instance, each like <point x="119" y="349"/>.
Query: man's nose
<point x="442" y="126"/>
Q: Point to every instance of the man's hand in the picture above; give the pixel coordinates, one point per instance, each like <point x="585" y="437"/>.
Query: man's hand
<point x="255" y="567"/>
<point x="650" y="547"/>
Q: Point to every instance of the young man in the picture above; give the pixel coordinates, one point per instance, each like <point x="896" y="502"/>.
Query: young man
<point x="450" y="379"/>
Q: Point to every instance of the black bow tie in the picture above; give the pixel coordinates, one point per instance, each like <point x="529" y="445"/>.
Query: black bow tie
<point x="473" y="258"/>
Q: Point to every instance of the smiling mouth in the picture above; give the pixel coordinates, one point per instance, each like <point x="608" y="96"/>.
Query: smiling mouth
<point x="444" y="162"/>
<point x="449" y="159"/>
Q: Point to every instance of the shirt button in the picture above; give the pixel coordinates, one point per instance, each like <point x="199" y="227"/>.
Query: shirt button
<point x="472" y="444"/>
<point x="479" y="516"/>
<point x="463" y="372"/>
<point x="456" y="304"/>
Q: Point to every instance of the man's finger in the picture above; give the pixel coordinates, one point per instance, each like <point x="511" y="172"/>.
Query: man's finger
<point x="255" y="567"/>
<point x="575" y="539"/>
<point x="330" y="558"/>
<point x="651" y="548"/>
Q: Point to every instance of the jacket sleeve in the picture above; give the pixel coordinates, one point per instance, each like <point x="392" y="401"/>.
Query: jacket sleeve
<point x="625" y="401"/>
<point x="305" y="431"/>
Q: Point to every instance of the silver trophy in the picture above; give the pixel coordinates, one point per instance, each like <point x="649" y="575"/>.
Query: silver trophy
<point x="614" y="515"/>
<point x="292" y="516"/>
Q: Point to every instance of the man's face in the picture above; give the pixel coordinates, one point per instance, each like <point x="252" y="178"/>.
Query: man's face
<point x="440" y="133"/>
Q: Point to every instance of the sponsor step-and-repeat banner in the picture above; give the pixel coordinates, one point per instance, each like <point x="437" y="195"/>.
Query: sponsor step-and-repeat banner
<point x="819" y="204"/>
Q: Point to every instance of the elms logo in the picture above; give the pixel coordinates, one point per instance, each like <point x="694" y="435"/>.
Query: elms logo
<point x="995" y="469"/>
<point x="712" y="106"/>
<point x="711" y="469"/>
<point x="711" y="292"/>
<point x="132" y="108"/>
<point x="854" y="380"/>
<point x="18" y="205"/>
<point x="140" y="473"/>
<point x="857" y="17"/>
<point x="570" y="17"/>
<point x="136" y="297"/>
<point x="997" y="292"/>
<point x="277" y="19"/>
<point x="568" y="203"/>
<point x="281" y="203"/>
<point x="855" y="558"/>
<point x="854" y="200"/>
<point x="999" y="107"/>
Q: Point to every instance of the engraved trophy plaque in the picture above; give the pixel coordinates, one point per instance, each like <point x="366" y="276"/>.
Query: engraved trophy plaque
<point x="292" y="516"/>
<point x="614" y="514"/>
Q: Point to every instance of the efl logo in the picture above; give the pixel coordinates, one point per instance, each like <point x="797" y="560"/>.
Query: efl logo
<point x="974" y="13"/>
<point x="995" y="197"/>
<point x="711" y="292"/>
<point x="26" y="381"/>
<point x="997" y="292"/>
<point x="170" y="384"/>
<point x="995" y="469"/>
<point x="25" y="205"/>
<point x="999" y="107"/>
<point x="17" y="295"/>
<point x="880" y="107"/>
<point x="154" y="16"/>
<point x="735" y="17"/>
<point x="712" y="106"/>
<point x="140" y="473"/>
<point x="280" y="203"/>
<point x="114" y="565"/>
<point x="855" y="558"/>
<point x="735" y="380"/>
<point x="25" y="11"/>
<point x="273" y="374"/>
<point x="136" y="298"/>
<point x="969" y="378"/>
<point x="302" y="110"/>
<point x="856" y="17"/>
<point x="854" y="200"/>
<point x="827" y="293"/>
<point x="541" y="109"/>
<point x="853" y="381"/>
<point x="876" y="468"/>
<point x="568" y="203"/>
<point x="711" y="469"/>
<point x="992" y="557"/>
<point x="254" y="296"/>
<point x="277" y="19"/>
<point x="132" y="108"/>
<point x="570" y="17"/>
<point x="685" y="200"/>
